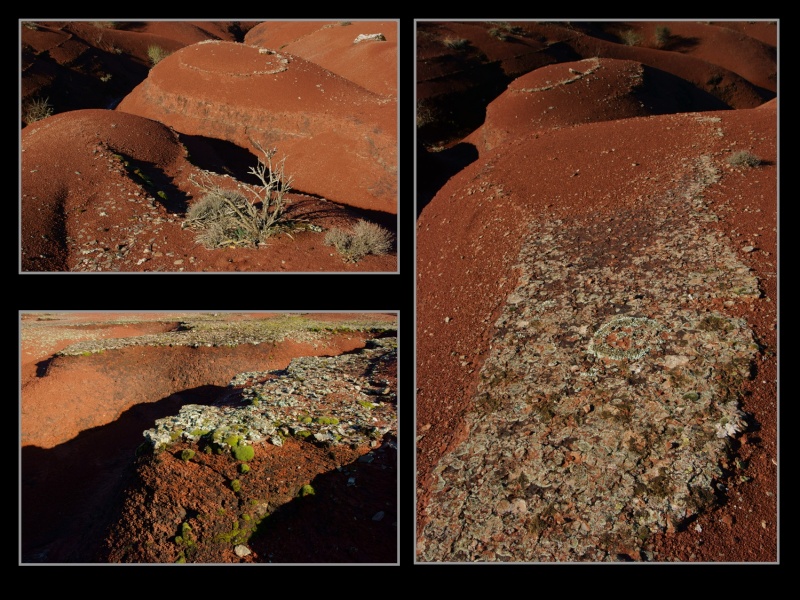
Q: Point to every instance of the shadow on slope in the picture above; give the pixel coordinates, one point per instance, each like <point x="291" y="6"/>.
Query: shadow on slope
<point x="434" y="169"/>
<point x="351" y="517"/>
<point x="67" y="492"/>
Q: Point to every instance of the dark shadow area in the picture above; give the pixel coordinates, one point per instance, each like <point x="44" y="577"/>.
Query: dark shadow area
<point x="434" y="169"/>
<point x="42" y="366"/>
<point x="354" y="505"/>
<point x="665" y="93"/>
<point x="448" y="116"/>
<point x="220" y="156"/>
<point x="99" y="78"/>
<point x="157" y="183"/>
<point x="677" y="43"/>
<point x="608" y="31"/>
<point x="68" y="492"/>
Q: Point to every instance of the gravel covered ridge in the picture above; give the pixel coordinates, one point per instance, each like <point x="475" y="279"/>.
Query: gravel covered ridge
<point x="212" y="330"/>
<point x="334" y="400"/>
<point x="608" y="406"/>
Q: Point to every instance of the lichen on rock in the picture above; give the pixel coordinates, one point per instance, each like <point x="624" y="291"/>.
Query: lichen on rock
<point x="330" y="400"/>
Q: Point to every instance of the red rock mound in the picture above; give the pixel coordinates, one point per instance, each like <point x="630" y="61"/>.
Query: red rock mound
<point x="340" y="139"/>
<point x="339" y="47"/>
<point x="594" y="89"/>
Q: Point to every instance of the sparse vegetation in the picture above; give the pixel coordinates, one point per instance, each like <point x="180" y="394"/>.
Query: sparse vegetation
<point x="157" y="54"/>
<point x="743" y="158"/>
<point x="662" y="35"/>
<point x="236" y="485"/>
<point x="187" y="455"/>
<point x="307" y="490"/>
<point x="36" y="110"/>
<point x="455" y="43"/>
<point x="365" y="238"/>
<point x="631" y="38"/>
<point x="503" y="30"/>
<point x="228" y="218"/>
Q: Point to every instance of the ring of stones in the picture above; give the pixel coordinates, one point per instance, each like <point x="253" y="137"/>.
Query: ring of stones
<point x="625" y="338"/>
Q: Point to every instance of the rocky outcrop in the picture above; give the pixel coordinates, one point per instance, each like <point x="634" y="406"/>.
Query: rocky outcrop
<point x="310" y="450"/>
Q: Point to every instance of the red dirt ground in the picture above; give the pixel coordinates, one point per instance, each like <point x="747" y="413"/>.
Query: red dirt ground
<point x="589" y="148"/>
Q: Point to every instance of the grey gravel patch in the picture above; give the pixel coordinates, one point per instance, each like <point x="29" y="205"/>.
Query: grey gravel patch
<point x="209" y="331"/>
<point x="326" y="400"/>
<point x="610" y="394"/>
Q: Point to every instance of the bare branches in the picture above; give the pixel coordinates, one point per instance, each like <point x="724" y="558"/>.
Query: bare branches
<point x="228" y="218"/>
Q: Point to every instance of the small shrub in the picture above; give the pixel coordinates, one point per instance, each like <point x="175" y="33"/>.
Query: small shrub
<point x="365" y="238"/>
<point x="327" y="420"/>
<point x="743" y="158"/>
<point x="157" y="54"/>
<point x="631" y="38"/>
<point x="243" y="468"/>
<point x="226" y="218"/>
<point x="455" y="43"/>
<point x="662" y="35"/>
<point x="187" y="455"/>
<point x="498" y="33"/>
<point x="236" y="485"/>
<point x="36" y="110"/>
<point x="307" y="490"/>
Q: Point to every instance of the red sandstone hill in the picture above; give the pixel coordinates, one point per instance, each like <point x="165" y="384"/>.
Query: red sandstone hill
<point x="558" y="167"/>
<point x="88" y="205"/>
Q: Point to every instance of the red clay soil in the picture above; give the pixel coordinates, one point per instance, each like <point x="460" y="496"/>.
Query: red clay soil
<point x="82" y="418"/>
<point x="107" y="189"/>
<point x="558" y="161"/>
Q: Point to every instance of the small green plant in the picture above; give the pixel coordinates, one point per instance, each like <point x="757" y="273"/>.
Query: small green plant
<point x="244" y="468"/>
<point x="662" y="35"/>
<point x="156" y="54"/>
<point x="36" y="110"/>
<point x="243" y="453"/>
<point x="327" y="420"/>
<point x="227" y="218"/>
<point x="187" y="455"/>
<point x="365" y="238"/>
<point x="631" y="37"/>
<point x="236" y="485"/>
<point x="307" y="490"/>
<point x="743" y="158"/>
